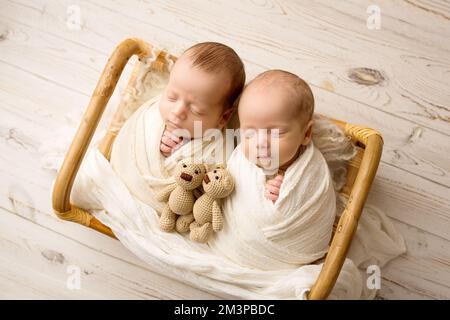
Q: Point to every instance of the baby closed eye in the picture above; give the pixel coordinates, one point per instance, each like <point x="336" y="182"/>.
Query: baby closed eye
<point x="197" y="111"/>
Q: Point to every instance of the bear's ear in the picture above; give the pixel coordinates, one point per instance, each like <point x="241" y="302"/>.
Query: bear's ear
<point x="228" y="183"/>
<point x="214" y="166"/>
<point x="180" y="165"/>
<point x="185" y="161"/>
<point x="208" y="166"/>
<point x="220" y="166"/>
<point x="191" y="160"/>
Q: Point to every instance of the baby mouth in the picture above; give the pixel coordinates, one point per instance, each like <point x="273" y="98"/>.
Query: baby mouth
<point x="264" y="160"/>
<point x="265" y="157"/>
<point x="186" y="177"/>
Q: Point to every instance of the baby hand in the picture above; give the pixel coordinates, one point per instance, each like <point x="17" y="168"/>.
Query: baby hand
<point x="273" y="188"/>
<point x="169" y="143"/>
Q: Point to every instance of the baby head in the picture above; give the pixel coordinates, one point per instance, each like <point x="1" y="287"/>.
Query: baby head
<point x="203" y="86"/>
<point x="275" y="113"/>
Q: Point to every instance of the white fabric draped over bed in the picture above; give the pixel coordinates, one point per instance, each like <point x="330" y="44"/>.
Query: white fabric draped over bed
<point x="121" y="193"/>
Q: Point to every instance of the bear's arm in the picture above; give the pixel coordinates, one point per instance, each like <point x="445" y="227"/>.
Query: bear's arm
<point x="164" y="194"/>
<point x="217" y="220"/>
<point x="197" y="193"/>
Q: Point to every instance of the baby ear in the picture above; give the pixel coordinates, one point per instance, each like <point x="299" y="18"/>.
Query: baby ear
<point x="226" y="116"/>
<point x="308" y="133"/>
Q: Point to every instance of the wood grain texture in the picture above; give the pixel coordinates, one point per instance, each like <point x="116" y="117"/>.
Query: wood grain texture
<point x="394" y="80"/>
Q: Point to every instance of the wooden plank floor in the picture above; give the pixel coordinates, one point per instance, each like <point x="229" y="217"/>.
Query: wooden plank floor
<point x="394" y="79"/>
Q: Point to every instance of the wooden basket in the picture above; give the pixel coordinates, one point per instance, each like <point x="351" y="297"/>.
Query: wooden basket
<point x="361" y="169"/>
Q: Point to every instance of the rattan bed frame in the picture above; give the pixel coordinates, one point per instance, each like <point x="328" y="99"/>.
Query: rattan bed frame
<point x="361" y="169"/>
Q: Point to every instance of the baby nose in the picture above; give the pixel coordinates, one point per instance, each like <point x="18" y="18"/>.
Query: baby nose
<point x="262" y="142"/>
<point x="179" y="110"/>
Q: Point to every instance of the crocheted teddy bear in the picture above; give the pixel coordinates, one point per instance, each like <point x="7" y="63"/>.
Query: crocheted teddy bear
<point x="177" y="214"/>
<point x="217" y="184"/>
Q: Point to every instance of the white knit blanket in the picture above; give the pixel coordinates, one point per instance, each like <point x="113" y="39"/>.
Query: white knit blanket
<point x="264" y="250"/>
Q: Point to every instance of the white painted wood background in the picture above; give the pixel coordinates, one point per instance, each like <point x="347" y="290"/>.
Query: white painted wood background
<point x="48" y="72"/>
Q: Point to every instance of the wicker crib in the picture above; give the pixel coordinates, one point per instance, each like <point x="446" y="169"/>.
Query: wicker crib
<point x="361" y="169"/>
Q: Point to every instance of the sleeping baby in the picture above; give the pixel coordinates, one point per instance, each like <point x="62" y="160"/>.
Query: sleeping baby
<point x="282" y="210"/>
<point x="276" y="105"/>
<point x="203" y="85"/>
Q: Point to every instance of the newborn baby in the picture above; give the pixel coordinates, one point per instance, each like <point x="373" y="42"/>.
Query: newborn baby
<point x="203" y="86"/>
<point x="277" y="106"/>
<point x="277" y="224"/>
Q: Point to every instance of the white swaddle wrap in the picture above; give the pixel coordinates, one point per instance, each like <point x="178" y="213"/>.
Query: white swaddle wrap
<point x="137" y="160"/>
<point x="294" y="231"/>
<point x="120" y="194"/>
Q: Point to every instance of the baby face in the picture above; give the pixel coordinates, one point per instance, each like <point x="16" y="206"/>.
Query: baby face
<point x="194" y="95"/>
<point x="271" y="130"/>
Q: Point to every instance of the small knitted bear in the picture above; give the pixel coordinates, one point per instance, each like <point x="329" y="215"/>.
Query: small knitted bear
<point x="180" y="196"/>
<point x="217" y="184"/>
